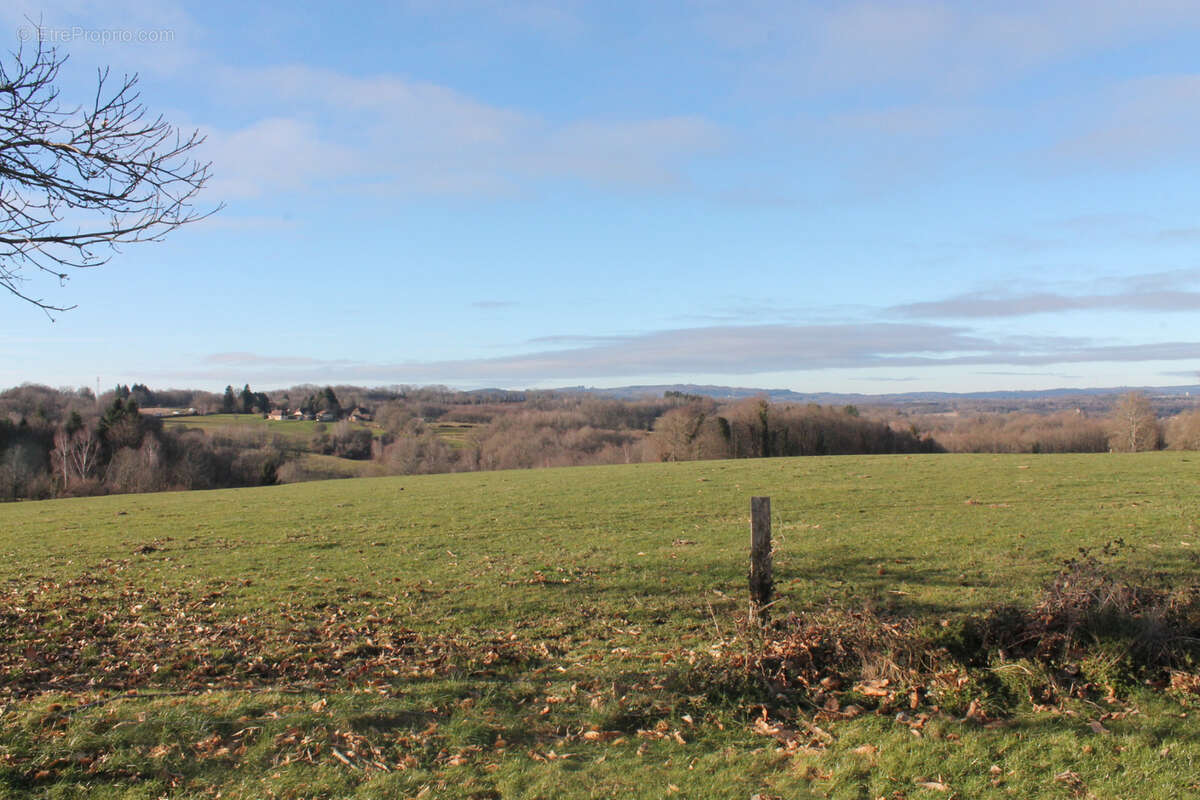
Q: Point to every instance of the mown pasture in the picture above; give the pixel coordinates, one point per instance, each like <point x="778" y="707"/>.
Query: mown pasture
<point x="297" y="435"/>
<point x="456" y="434"/>
<point x="296" y="432"/>
<point x="568" y="633"/>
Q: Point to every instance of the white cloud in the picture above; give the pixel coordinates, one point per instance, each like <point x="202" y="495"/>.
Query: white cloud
<point x="932" y="45"/>
<point x="640" y="152"/>
<point x="274" y="154"/>
<point x="1155" y="292"/>
<point x="1139" y="122"/>
<point x="247" y="359"/>
<point x="126" y="35"/>
<point x="312" y="125"/>
<point x="558" y="19"/>
<point x="988" y="304"/>
<point x="714" y="351"/>
<point x="413" y="137"/>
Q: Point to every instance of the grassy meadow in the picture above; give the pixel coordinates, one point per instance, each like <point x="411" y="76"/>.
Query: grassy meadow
<point x="294" y="434"/>
<point x="456" y="434"/>
<point x="567" y="633"/>
<point x="298" y="432"/>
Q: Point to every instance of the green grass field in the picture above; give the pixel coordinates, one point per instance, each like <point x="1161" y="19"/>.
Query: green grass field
<point x="456" y="434"/>
<point x="297" y="432"/>
<point x="551" y="633"/>
<point x="327" y="467"/>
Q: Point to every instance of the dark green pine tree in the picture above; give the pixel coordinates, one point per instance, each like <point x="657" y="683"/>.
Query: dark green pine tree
<point x="247" y="398"/>
<point x="330" y="401"/>
<point x="228" y="402"/>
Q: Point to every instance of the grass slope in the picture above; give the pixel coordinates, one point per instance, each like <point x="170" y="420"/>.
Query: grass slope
<point x="297" y="432"/>
<point x="542" y="620"/>
<point x="456" y="434"/>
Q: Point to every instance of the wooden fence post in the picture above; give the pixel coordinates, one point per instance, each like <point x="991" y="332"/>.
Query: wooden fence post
<point x="761" y="583"/>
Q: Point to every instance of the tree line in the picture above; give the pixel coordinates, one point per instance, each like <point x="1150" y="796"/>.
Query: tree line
<point x="1129" y="424"/>
<point x="58" y="442"/>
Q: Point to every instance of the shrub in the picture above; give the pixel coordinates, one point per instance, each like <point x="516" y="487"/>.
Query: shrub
<point x="1183" y="431"/>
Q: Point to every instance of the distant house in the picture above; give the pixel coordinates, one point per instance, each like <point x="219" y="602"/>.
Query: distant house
<point x="168" y="412"/>
<point x="359" y="415"/>
<point x="327" y="416"/>
<point x="278" y="413"/>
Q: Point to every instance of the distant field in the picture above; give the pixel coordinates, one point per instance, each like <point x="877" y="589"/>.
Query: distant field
<point x="538" y="633"/>
<point x="296" y="431"/>
<point x="455" y="434"/>
<point x="323" y="466"/>
<point x="301" y="432"/>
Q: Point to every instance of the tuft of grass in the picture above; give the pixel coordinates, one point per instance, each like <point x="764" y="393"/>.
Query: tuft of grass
<point x="1093" y="633"/>
<point x="1127" y="624"/>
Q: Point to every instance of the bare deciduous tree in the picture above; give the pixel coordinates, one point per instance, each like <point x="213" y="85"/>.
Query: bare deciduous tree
<point x="77" y="181"/>
<point x="676" y="431"/>
<point x="76" y="454"/>
<point x="1133" y="425"/>
<point x="1183" y="431"/>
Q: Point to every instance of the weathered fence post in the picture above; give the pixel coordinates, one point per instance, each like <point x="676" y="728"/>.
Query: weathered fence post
<point x="761" y="582"/>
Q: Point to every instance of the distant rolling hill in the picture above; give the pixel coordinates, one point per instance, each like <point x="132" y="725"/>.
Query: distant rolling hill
<point x="899" y="398"/>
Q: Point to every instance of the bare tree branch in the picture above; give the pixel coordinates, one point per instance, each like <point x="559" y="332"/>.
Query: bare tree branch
<point x="77" y="181"/>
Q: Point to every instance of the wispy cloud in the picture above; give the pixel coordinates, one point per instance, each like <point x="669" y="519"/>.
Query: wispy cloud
<point x="875" y="378"/>
<point x="489" y="305"/>
<point x="132" y="35"/>
<point x="933" y="45"/>
<point x="720" y="350"/>
<point x="1188" y="235"/>
<point x="276" y="155"/>
<point x="242" y="222"/>
<point x="341" y="131"/>
<point x="903" y="94"/>
<point x="1165" y="291"/>
<point x="559" y="19"/>
<point x="1016" y="373"/>
<point x="985" y="304"/>
<point x="1141" y="121"/>
<point x="247" y="359"/>
<point x="757" y="310"/>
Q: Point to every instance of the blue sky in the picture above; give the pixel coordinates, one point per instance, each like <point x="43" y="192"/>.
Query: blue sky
<point x="865" y="197"/>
